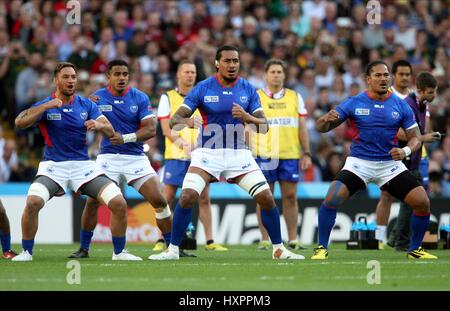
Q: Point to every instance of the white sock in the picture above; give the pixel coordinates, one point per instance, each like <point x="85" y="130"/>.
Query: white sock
<point x="173" y="248"/>
<point x="380" y="233"/>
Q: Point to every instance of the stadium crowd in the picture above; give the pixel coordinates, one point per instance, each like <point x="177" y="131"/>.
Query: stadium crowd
<point x="326" y="45"/>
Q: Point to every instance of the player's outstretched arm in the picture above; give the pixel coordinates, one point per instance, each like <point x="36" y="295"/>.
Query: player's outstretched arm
<point x="28" y="117"/>
<point x="182" y="118"/>
<point x="414" y="143"/>
<point x="329" y="121"/>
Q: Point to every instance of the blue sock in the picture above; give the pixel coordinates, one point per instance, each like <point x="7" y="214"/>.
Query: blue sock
<point x="167" y="236"/>
<point x="327" y="218"/>
<point x="5" y="239"/>
<point x="271" y="221"/>
<point x="419" y="224"/>
<point x="181" y="219"/>
<point x="27" y="245"/>
<point x="85" y="239"/>
<point x="119" y="244"/>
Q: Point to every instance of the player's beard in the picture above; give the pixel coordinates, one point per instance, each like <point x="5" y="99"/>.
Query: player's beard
<point x="229" y="79"/>
<point x="67" y="92"/>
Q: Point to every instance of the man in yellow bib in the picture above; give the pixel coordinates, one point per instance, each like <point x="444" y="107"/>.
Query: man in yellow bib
<point x="284" y="148"/>
<point x="178" y="150"/>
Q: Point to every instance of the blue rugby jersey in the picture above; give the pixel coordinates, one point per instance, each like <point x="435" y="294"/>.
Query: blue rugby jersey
<point x="64" y="131"/>
<point x="215" y="102"/>
<point x="125" y="114"/>
<point x="376" y="124"/>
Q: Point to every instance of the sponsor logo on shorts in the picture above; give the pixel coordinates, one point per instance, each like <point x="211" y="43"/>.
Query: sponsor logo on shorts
<point x="84" y="115"/>
<point x="168" y="174"/>
<point x="88" y="173"/>
<point x="246" y="166"/>
<point x="53" y="116"/>
<point x="50" y="169"/>
<point x="105" y="108"/>
<point x="105" y="165"/>
<point x="211" y="99"/>
<point x="394" y="169"/>
<point x="294" y="175"/>
<point x="133" y="108"/>
<point x="362" y="112"/>
<point x="139" y="171"/>
<point x="204" y="160"/>
<point x="395" y="114"/>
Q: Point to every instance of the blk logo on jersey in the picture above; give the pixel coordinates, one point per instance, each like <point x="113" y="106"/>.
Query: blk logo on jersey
<point x="362" y="112"/>
<point x="116" y="101"/>
<point x="84" y="115"/>
<point x="67" y="109"/>
<point x="53" y="116"/>
<point x="211" y="99"/>
<point x="395" y="114"/>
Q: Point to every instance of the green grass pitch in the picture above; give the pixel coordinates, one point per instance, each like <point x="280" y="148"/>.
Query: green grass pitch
<point x="241" y="268"/>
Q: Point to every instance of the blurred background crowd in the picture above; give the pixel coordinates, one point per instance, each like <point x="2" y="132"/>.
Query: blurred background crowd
<point x="326" y="45"/>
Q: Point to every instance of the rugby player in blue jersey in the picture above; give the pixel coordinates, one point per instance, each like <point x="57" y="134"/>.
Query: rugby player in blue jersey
<point x="226" y="103"/>
<point x="64" y="119"/>
<point x="376" y="115"/>
<point x="130" y="113"/>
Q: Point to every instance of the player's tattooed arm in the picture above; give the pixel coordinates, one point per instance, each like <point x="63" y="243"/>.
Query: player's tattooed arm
<point x="28" y="117"/>
<point x="182" y="118"/>
<point x="329" y="121"/>
<point x="414" y="138"/>
<point x="414" y="143"/>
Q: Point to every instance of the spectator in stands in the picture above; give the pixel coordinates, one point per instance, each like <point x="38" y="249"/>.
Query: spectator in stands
<point x="106" y="39"/>
<point x="83" y="56"/>
<point x="25" y="94"/>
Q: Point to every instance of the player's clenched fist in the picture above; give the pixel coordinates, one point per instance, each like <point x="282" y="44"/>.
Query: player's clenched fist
<point x="117" y="139"/>
<point x="397" y="154"/>
<point x="54" y="103"/>
<point x="239" y="113"/>
<point x="94" y="98"/>
<point x="195" y="122"/>
<point x="93" y="125"/>
<point x="331" y="116"/>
